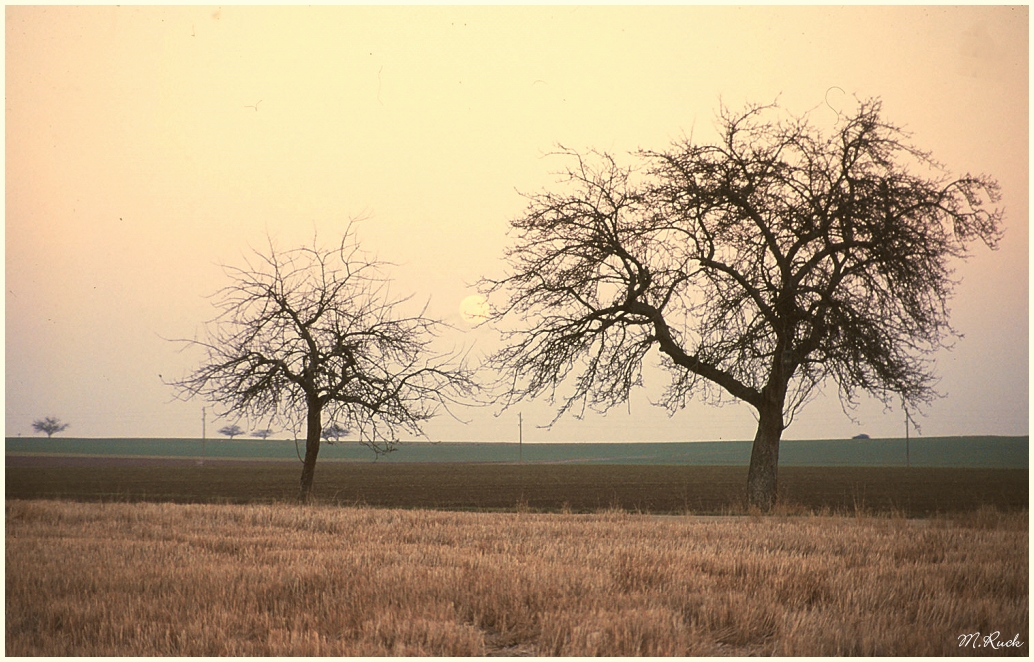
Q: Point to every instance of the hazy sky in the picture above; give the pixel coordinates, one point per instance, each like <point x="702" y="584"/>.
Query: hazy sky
<point x="147" y="146"/>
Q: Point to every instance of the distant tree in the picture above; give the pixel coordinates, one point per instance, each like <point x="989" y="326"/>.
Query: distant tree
<point x="334" y="432"/>
<point x="231" y="431"/>
<point x="50" y="425"/>
<point x="312" y="332"/>
<point x="262" y="434"/>
<point x="760" y="267"/>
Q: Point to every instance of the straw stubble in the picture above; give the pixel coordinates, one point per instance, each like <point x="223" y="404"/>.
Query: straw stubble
<point x="168" y="579"/>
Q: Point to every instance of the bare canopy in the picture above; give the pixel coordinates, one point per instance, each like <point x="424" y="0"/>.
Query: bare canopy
<point x="311" y="336"/>
<point x="49" y="426"/>
<point x="231" y="431"/>
<point x="761" y="266"/>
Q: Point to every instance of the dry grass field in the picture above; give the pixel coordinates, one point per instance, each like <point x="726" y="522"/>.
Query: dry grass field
<point x="175" y="579"/>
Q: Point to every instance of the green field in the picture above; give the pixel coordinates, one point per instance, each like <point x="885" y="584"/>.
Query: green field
<point x="983" y="452"/>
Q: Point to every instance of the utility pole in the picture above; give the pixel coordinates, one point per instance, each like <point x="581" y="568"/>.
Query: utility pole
<point x="908" y="457"/>
<point x="204" y="423"/>
<point x="520" y="438"/>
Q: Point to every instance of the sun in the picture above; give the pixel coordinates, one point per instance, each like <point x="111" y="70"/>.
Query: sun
<point x="474" y="309"/>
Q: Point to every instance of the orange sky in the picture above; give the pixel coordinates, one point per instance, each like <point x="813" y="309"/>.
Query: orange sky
<point x="146" y="146"/>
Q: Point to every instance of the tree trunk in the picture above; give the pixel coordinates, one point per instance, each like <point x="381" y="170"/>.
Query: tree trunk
<point x="312" y="449"/>
<point x="764" y="457"/>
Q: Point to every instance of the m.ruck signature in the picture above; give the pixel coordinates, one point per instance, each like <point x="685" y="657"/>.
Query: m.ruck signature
<point x="991" y="641"/>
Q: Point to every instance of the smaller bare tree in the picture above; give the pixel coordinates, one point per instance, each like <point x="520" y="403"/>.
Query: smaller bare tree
<point x="262" y="434"/>
<point x="334" y="432"/>
<point x="312" y="336"/>
<point x="49" y="425"/>
<point x="231" y="431"/>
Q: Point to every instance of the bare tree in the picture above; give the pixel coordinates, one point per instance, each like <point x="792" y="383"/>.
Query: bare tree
<point x="334" y="432"/>
<point x="314" y="334"/>
<point x="49" y="425"/>
<point x="231" y="431"/>
<point x="262" y="434"/>
<point x="760" y="267"/>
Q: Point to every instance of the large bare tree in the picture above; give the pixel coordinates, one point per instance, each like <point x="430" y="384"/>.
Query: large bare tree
<point x="312" y="336"/>
<point x="760" y="267"/>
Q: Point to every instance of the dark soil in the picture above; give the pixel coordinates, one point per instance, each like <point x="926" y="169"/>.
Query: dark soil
<point x="544" y="487"/>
